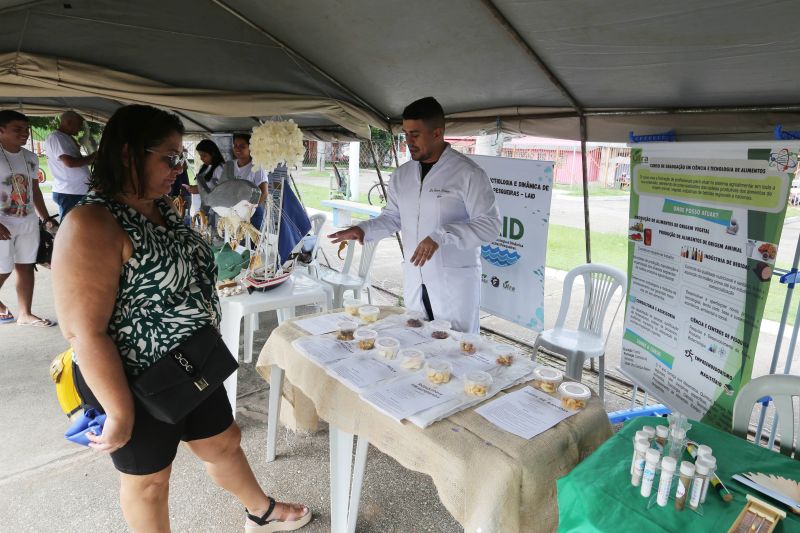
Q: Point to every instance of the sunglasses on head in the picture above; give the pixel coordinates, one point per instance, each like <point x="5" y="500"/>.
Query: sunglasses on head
<point x="173" y="160"/>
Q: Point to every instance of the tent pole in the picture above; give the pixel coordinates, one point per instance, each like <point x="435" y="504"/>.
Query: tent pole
<point x="383" y="188"/>
<point x="585" y="191"/>
<point x="394" y="148"/>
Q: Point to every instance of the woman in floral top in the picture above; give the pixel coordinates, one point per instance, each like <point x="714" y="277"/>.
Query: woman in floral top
<point x="132" y="282"/>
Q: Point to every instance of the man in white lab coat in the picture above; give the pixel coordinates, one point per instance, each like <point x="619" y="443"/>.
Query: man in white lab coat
<point x="444" y="206"/>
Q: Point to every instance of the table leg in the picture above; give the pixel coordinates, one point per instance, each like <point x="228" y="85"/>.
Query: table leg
<point x="362" y="445"/>
<point x="341" y="444"/>
<point x="274" y="409"/>
<point x="247" y="348"/>
<point x="230" y="327"/>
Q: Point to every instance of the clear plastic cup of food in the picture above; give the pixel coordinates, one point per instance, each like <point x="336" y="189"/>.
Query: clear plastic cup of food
<point x="469" y="343"/>
<point x="368" y="313"/>
<point x="504" y="354"/>
<point x="411" y="358"/>
<point x="477" y="383"/>
<point x="365" y="338"/>
<point x="439" y="372"/>
<point x="415" y="320"/>
<point x="439" y="329"/>
<point x="547" y="379"/>
<point x="387" y="347"/>
<point x="351" y="306"/>
<point x="346" y="330"/>
<point x="574" y="395"/>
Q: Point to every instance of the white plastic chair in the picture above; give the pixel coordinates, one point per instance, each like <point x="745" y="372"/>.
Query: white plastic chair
<point x="317" y="221"/>
<point x="345" y="281"/>
<point x="779" y="387"/>
<point x="590" y="338"/>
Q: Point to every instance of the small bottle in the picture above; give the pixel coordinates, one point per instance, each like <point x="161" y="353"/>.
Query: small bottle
<point x="711" y="462"/>
<point x="700" y="479"/>
<point x="703" y="450"/>
<point x="687" y="473"/>
<point x="640" y="435"/>
<point x="650" y="431"/>
<point x="661" y="434"/>
<point x="650" y="466"/>
<point x="638" y="462"/>
<point x="668" y="465"/>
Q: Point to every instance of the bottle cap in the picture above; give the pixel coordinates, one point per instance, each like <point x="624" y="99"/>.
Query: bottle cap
<point x="687" y="468"/>
<point x="662" y="431"/>
<point x="703" y="450"/>
<point x="639" y="435"/>
<point x="668" y="464"/>
<point x="652" y="456"/>
<point x="650" y="430"/>
<point x="702" y="468"/>
<point x="709" y="460"/>
<point x="642" y="446"/>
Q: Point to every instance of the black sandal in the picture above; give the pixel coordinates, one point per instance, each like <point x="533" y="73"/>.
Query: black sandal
<point x="275" y="525"/>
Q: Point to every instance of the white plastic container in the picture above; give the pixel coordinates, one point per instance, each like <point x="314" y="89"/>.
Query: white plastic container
<point x="369" y="313"/>
<point x="414" y="320"/>
<point x="365" y="338"/>
<point x="439" y="372"/>
<point x="351" y="306"/>
<point x="638" y="461"/>
<point x="574" y="395"/>
<point x="439" y="329"/>
<point x="411" y="358"/>
<point x="477" y="383"/>
<point x="387" y="347"/>
<point x="651" y="458"/>
<point x="469" y="343"/>
<point x="668" y="465"/>
<point x="711" y="462"/>
<point x="547" y="379"/>
<point x="347" y="330"/>
<point x="505" y="354"/>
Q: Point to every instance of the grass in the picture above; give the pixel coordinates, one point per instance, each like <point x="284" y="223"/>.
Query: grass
<point x="594" y="190"/>
<point x="565" y="251"/>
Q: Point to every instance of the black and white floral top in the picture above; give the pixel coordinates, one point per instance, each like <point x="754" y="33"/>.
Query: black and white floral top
<point x="166" y="289"/>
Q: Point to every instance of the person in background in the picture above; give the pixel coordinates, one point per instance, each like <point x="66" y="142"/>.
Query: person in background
<point x="20" y="202"/>
<point x="133" y="283"/>
<point x="70" y="169"/>
<point x="207" y="177"/>
<point x="181" y="196"/>
<point x="443" y="204"/>
<point x="241" y="167"/>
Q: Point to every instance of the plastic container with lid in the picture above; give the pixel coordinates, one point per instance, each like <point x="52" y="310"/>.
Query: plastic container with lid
<point x="414" y="320"/>
<point x="504" y="353"/>
<point x="469" y="343"/>
<point x="477" y="383"/>
<point x="351" y="306"/>
<point x="439" y="372"/>
<point x="366" y="338"/>
<point x="369" y="313"/>
<point x="387" y="347"/>
<point x="547" y="379"/>
<point x="411" y="358"/>
<point x="573" y="395"/>
<point x="439" y="329"/>
<point x="346" y="330"/>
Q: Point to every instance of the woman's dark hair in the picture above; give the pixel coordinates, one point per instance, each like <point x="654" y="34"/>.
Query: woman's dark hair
<point x="139" y="127"/>
<point x="210" y="147"/>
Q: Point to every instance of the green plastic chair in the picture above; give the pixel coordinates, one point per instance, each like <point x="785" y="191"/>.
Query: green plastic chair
<point x="779" y="387"/>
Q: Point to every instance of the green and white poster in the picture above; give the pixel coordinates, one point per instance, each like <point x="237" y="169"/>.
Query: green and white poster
<point x="705" y="222"/>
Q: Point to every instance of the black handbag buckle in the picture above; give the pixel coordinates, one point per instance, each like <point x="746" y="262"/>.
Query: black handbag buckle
<point x="184" y="363"/>
<point x="201" y="384"/>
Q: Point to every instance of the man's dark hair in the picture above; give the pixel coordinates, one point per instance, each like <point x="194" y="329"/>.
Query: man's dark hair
<point x="140" y="127"/>
<point x="426" y="109"/>
<point x="9" y="115"/>
<point x="244" y="136"/>
<point x="210" y="147"/>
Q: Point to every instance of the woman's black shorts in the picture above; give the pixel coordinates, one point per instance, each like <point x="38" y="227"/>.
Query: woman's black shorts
<point x="154" y="443"/>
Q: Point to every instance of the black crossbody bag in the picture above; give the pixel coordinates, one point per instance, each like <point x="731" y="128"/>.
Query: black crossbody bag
<point x="179" y="381"/>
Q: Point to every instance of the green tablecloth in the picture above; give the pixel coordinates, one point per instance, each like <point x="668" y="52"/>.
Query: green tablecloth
<point x="598" y="496"/>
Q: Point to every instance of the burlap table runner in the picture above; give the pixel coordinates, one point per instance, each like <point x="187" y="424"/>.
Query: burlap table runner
<point x="489" y="480"/>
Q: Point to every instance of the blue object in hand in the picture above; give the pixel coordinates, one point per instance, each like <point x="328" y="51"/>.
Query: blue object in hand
<point x="91" y="421"/>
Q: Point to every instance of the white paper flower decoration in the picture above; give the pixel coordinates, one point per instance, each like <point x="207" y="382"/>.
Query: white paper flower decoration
<point x="276" y="142"/>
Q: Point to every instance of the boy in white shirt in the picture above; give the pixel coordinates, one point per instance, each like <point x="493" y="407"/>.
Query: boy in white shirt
<point x="20" y="202"/>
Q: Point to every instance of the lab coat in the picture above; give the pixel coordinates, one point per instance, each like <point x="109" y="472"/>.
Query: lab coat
<point x="455" y="206"/>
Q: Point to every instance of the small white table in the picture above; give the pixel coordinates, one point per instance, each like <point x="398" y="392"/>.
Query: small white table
<point x="299" y="289"/>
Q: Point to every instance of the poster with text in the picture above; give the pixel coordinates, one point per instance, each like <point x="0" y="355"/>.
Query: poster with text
<point x="705" y="222"/>
<point x="513" y="265"/>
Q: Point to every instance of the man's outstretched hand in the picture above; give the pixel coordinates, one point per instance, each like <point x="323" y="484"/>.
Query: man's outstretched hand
<point x="425" y="250"/>
<point x="353" y="233"/>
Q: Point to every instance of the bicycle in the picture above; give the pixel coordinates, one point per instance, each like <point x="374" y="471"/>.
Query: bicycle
<point x="375" y="194"/>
